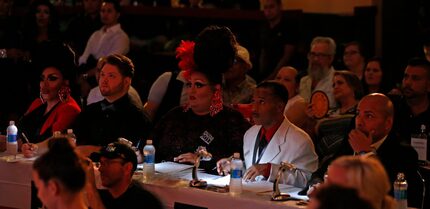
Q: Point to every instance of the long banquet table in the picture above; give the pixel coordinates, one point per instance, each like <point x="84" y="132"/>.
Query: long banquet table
<point x="172" y="188"/>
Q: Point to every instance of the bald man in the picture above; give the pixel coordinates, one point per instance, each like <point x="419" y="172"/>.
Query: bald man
<point x="373" y="137"/>
<point x="296" y="106"/>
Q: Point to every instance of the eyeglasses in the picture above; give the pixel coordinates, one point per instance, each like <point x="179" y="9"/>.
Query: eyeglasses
<point x="318" y="55"/>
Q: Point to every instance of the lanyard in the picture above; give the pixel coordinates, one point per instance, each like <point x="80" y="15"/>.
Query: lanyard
<point x="254" y="155"/>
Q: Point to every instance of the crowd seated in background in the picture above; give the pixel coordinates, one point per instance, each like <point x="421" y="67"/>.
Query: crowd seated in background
<point x="320" y="69"/>
<point x="167" y="92"/>
<point x="109" y="39"/>
<point x="41" y="24"/>
<point x="238" y="87"/>
<point x="296" y="105"/>
<point x="183" y="129"/>
<point x="376" y="78"/>
<point x="83" y="25"/>
<point x="347" y="92"/>
<point x="413" y="109"/>
<point x="279" y="40"/>
<point x="354" y="58"/>
<point x="274" y="139"/>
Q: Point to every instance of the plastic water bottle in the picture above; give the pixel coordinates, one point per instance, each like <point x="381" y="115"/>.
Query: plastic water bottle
<point x="148" y="163"/>
<point x="401" y="191"/>
<point x="11" y="137"/>
<point x="236" y="174"/>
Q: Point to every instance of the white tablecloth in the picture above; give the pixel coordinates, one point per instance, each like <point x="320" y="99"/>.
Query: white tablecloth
<point x="174" y="188"/>
<point x="15" y="182"/>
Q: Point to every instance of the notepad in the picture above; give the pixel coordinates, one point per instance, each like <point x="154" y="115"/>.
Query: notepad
<point x="170" y="167"/>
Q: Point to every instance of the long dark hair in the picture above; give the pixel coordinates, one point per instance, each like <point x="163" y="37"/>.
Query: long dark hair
<point x="386" y="81"/>
<point x="30" y="26"/>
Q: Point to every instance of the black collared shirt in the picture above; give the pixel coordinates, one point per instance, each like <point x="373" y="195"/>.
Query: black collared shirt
<point x="103" y="122"/>
<point x="134" y="197"/>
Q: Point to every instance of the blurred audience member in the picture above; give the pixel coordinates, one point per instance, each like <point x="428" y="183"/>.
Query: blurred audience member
<point x="376" y="78"/>
<point x="278" y="38"/>
<point x="413" y="109"/>
<point x="320" y="69"/>
<point x="354" y="58"/>
<point x="59" y="177"/>
<point x="183" y="129"/>
<point x="83" y="25"/>
<point x="366" y="175"/>
<point x="337" y="197"/>
<point x="426" y="49"/>
<point x="117" y="165"/>
<point x="167" y="92"/>
<point x="347" y="92"/>
<point x="41" y="24"/>
<point x="238" y="86"/>
<point x="296" y="105"/>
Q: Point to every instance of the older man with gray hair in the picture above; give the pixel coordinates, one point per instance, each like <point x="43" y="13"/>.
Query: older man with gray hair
<point x="320" y="69"/>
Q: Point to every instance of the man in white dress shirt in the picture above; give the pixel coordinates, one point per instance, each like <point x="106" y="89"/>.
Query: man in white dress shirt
<point x="274" y="139"/>
<point x="320" y="69"/>
<point x="110" y="39"/>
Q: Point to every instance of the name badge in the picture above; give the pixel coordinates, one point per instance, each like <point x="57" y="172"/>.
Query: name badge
<point x="207" y="137"/>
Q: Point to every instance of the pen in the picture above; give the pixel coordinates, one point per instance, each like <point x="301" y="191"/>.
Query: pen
<point x="27" y="141"/>
<point x="25" y="138"/>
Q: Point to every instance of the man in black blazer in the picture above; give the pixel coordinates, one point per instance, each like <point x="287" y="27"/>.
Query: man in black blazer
<point x="373" y="136"/>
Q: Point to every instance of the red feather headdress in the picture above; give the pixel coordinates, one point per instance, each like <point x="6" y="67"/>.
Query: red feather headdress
<point x="185" y="52"/>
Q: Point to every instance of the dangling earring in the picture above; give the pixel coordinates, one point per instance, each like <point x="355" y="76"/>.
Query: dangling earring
<point x="41" y="98"/>
<point x="64" y="93"/>
<point x="216" y="104"/>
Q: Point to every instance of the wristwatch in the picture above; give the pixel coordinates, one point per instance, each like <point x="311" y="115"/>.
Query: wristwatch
<point x="3" y="53"/>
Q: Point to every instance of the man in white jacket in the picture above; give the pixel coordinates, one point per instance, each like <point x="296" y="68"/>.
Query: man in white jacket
<point x="274" y="139"/>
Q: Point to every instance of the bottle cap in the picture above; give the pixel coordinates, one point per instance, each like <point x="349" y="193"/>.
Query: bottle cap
<point x="423" y="127"/>
<point x="236" y="155"/>
<point x="149" y="141"/>
<point x="11" y="122"/>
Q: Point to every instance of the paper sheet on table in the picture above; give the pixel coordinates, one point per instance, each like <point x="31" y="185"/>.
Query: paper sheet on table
<point x="258" y="186"/>
<point x="255" y="186"/>
<point x="170" y="167"/>
<point x="17" y="158"/>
